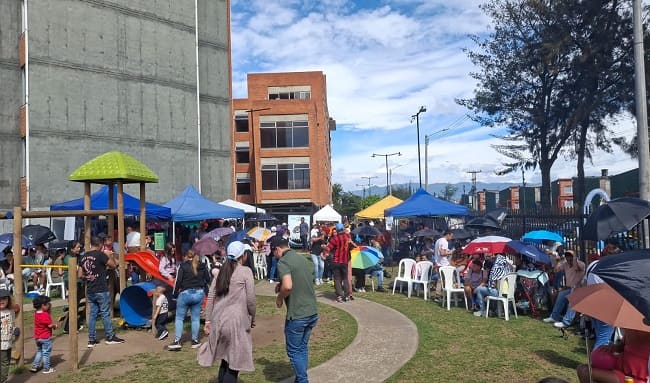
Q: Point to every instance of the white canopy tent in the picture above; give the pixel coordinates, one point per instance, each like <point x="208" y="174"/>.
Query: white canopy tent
<point x="327" y="214"/>
<point x="240" y="205"/>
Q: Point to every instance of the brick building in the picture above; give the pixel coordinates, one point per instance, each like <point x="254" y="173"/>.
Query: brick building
<point x="281" y="143"/>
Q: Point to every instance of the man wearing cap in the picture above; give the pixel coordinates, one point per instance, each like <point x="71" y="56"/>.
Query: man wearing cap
<point x="296" y="290"/>
<point x="574" y="271"/>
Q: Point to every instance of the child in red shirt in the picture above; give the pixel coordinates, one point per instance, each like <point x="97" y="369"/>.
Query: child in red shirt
<point x="42" y="334"/>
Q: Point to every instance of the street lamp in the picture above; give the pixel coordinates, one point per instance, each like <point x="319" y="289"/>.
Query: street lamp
<point x="416" y="117"/>
<point x="369" y="178"/>
<point x="363" y="188"/>
<point x="253" y="153"/>
<point x="386" y="157"/>
<point x="426" y="156"/>
<point x="390" y="178"/>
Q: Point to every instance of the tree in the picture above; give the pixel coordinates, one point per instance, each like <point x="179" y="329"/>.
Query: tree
<point x="401" y="192"/>
<point x="337" y="192"/>
<point x="448" y="192"/>
<point x="520" y="66"/>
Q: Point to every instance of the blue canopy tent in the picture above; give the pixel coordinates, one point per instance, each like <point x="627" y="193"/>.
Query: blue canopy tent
<point x="423" y="204"/>
<point x="99" y="201"/>
<point x="190" y="205"/>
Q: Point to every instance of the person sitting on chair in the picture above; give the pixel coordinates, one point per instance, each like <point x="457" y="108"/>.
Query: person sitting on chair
<point x="475" y="277"/>
<point x="574" y="272"/>
<point x="499" y="269"/>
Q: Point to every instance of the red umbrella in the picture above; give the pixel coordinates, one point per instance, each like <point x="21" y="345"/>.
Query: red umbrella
<point x="206" y="246"/>
<point x="492" y="244"/>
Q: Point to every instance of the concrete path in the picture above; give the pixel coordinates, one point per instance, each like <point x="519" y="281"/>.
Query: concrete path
<point x="385" y="341"/>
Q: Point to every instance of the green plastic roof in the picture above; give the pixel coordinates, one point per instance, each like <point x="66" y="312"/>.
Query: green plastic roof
<point x="113" y="166"/>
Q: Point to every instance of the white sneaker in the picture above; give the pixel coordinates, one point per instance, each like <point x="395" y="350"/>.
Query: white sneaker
<point x="479" y="313"/>
<point x="559" y="325"/>
<point x="549" y="320"/>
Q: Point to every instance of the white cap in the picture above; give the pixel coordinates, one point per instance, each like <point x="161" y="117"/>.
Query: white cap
<point x="236" y="249"/>
<point x="274" y="229"/>
<point x="371" y="223"/>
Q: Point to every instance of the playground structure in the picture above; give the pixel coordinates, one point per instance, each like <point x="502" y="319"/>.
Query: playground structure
<point x="112" y="169"/>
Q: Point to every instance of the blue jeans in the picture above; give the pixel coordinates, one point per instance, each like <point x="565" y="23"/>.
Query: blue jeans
<point x="482" y="292"/>
<point x="99" y="306"/>
<point x="43" y="351"/>
<point x="274" y="266"/>
<point x="188" y="299"/>
<point x="562" y="303"/>
<point x="377" y="271"/>
<point x="603" y="333"/>
<point x="319" y="266"/>
<point x="296" y="334"/>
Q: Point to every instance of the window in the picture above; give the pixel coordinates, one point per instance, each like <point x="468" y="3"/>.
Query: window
<point x="289" y="92"/>
<point x="285" y="176"/>
<point x="568" y="204"/>
<point x="241" y="123"/>
<point x="243" y="185"/>
<point x="242" y="155"/>
<point x="567" y="190"/>
<point x="284" y="134"/>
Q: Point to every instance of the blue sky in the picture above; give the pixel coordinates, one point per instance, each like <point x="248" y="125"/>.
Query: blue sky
<point x="383" y="60"/>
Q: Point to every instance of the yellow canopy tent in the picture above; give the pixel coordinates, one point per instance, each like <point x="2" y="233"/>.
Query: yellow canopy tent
<point x="376" y="210"/>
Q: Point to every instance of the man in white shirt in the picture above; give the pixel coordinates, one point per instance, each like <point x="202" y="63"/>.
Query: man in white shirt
<point x="441" y="254"/>
<point x="132" y="240"/>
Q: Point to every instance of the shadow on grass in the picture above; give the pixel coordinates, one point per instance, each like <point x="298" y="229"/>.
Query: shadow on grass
<point x="557" y="359"/>
<point x="274" y="370"/>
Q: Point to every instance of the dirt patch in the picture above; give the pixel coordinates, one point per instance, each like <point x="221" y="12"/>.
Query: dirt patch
<point x="268" y="330"/>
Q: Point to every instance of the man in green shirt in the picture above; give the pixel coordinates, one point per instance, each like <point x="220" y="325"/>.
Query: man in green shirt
<point x="297" y="291"/>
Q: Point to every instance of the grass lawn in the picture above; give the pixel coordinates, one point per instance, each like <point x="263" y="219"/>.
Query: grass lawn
<point x="335" y="331"/>
<point x="455" y="346"/>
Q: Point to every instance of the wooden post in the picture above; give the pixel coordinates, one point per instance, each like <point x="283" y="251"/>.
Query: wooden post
<point x="18" y="283"/>
<point x="143" y="216"/>
<point x="111" y="205"/>
<point x="120" y="234"/>
<point x="73" y="312"/>
<point x="86" y="233"/>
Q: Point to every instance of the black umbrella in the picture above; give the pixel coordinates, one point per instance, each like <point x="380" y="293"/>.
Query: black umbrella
<point x="483" y="223"/>
<point x="261" y="217"/>
<point x="366" y="231"/>
<point x="38" y="234"/>
<point x="629" y="274"/>
<point x="615" y="216"/>
<point x="427" y="233"/>
<point x="462" y="234"/>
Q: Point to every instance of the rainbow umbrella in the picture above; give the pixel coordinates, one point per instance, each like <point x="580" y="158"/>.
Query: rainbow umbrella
<point x="364" y="257"/>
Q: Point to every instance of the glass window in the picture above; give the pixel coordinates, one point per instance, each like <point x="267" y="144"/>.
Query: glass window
<point x="242" y="155"/>
<point x="243" y="186"/>
<point x="285" y="134"/>
<point x="285" y="177"/>
<point x="241" y="124"/>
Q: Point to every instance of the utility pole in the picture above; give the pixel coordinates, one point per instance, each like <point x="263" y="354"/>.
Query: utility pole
<point x="253" y="152"/>
<point x="369" y="178"/>
<point x="416" y="117"/>
<point x="472" y="191"/>
<point x="426" y="156"/>
<point x="387" y="175"/>
<point x="363" y="198"/>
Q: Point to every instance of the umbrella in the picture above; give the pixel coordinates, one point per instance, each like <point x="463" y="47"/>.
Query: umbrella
<point x="260" y="233"/>
<point x="239" y="235"/>
<point x="38" y="234"/>
<point x="206" y="246"/>
<point x="261" y="217"/>
<point x="484" y="224"/>
<point x="7" y="239"/>
<point x="427" y="233"/>
<point x="604" y="303"/>
<point x="364" y="257"/>
<point x="539" y="236"/>
<point x="535" y="254"/>
<point x="366" y="231"/>
<point x="462" y="234"/>
<point x="629" y="274"/>
<point x="615" y="216"/>
<point x="218" y="232"/>
<point x="489" y="244"/>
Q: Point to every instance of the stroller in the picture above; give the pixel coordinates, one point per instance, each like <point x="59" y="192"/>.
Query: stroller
<point x="533" y="288"/>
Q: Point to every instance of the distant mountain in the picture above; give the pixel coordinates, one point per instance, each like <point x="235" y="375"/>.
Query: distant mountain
<point x="438" y="188"/>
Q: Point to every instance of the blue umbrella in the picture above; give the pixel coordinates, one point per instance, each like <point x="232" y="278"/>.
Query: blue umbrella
<point x="238" y="236"/>
<point x="7" y="239"/>
<point x="530" y="251"/>
<point x="539" y="236"/>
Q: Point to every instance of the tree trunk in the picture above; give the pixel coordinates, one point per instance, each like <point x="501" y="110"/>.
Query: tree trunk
<point x="545" y="192"/>
<point x="579" y="189"/>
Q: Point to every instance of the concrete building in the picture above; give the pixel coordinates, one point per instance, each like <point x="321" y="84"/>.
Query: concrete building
<point x="281" y="136"/>
<point x="80" y="78"/>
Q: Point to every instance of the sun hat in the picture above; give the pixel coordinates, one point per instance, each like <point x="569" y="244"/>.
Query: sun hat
<point x="236" y="249"/>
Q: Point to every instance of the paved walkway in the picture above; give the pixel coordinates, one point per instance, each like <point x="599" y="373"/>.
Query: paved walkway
<point x="385" y="341"/>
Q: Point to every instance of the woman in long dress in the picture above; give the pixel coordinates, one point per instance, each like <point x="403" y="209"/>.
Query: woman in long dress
<point x="230" y="313"/>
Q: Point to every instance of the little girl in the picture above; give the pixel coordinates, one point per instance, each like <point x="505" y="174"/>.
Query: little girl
<point x="7" y="318"/>
<point x="42" y="334"/>
<point x="161" y="311"/>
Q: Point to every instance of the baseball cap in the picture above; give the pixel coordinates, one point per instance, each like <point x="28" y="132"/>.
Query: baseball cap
<point x="277" y="241"/>
<point x="236" y="249"/>
<point x="339" y="226"/>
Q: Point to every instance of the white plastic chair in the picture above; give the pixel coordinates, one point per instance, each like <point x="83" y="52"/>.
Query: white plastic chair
<point x="50" y="284"/>
<point x="260" y="264"/>
<point x="405" y="272"/>
<point x="506" y="294"/>
<point x="423" y="276"/>
<point x="449" y="276"/>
